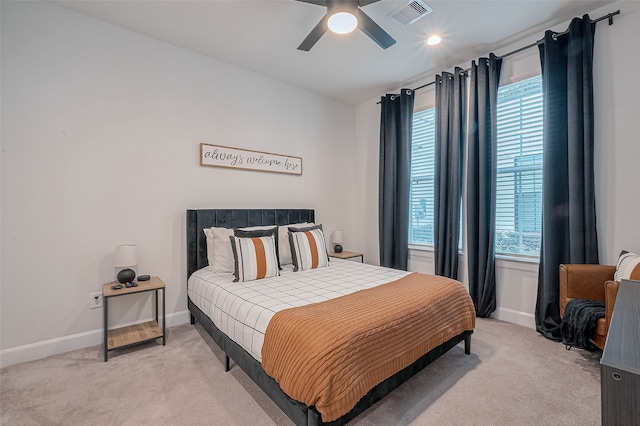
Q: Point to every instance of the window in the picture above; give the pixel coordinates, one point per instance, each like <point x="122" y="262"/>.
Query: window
<point x="422" y="166"/>
<point x="519" y="171"/>
<point x="519" y="174"/>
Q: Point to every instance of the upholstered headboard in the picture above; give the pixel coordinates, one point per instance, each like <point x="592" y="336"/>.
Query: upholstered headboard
<point x="197" y="220"/>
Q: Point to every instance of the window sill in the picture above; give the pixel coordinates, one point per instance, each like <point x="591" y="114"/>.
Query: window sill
<point x="517" y="258"/>
<point x="420" y="247"/>
<point x="527" y="262"/>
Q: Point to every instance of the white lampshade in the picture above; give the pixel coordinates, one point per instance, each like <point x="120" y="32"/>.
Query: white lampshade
<point x="337" y="237"/>
<point x="126" y="256"/>
<point x="342" y="22"/>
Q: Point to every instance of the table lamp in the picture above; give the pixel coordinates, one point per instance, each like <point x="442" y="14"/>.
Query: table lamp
<point x="126" y="257"/>
<point x="337" y="241"/>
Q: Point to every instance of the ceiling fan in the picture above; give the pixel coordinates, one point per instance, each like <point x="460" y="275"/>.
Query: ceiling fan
<point x="337" y="11"/>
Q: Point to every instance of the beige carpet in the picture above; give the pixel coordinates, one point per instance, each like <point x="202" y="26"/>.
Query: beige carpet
<point x="514" y="376"/>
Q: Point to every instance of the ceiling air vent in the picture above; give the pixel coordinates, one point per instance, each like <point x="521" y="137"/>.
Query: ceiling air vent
<point x="410" y="12"/>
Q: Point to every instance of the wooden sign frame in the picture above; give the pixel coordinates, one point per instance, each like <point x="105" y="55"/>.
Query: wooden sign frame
<point x="236" y="158"/>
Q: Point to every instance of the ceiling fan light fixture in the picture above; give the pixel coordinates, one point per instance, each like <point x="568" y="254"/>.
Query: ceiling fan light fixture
<point x="433" y="40"/>
<point x="342" y="22"/>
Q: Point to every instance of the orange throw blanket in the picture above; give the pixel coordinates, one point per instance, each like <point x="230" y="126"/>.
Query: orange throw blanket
<point x="330" y="354"/>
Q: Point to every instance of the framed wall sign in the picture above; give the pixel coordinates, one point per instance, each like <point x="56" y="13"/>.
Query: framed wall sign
<point x="235" y="158"/>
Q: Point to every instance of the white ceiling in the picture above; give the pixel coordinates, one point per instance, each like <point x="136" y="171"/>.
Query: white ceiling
<point x="262" y="36"/>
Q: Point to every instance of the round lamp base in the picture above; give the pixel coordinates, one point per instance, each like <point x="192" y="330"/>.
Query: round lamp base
<point x="126" y="276"/>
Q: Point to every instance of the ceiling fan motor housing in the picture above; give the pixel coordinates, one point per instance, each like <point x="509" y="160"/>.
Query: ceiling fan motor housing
<point x="335" y="6"/>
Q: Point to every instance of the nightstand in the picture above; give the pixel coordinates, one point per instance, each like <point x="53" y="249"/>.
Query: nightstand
<point x="347" y="255"/>
<point x="136" y="333"/>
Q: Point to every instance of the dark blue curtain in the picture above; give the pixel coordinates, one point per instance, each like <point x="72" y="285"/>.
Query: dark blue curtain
<point x="481" y="183"/>
<point x="568" y="204"/>
<point x="450" y="133"/>
<point x="396" y="125"/>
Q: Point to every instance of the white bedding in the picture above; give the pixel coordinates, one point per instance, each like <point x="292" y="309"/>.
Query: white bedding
<point x="243" y="310"/>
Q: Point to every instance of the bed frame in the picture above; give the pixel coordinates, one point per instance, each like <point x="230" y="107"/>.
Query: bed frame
<point x="299" y="413"/>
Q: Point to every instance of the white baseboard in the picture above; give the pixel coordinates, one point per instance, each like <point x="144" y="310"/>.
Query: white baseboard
<point x="515" y="317"/>
<point x="40" y="350"/>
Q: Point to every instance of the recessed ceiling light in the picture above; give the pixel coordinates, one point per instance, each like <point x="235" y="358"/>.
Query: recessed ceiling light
<point x="433" y="40"/>
<point x="342" y="22"/>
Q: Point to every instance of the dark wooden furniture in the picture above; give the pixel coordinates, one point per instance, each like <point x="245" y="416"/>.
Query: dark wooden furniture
<point x="620" y="363"/>
<point x="136" y="333"/>
<point x="299" y="413"/>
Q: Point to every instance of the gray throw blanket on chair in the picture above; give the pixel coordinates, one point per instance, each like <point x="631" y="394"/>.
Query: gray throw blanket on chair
<point x="579" y="322"/>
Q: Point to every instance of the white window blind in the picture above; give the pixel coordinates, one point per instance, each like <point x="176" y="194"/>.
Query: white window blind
<point x="422" y="166"/>
<point x="519" y="168"/>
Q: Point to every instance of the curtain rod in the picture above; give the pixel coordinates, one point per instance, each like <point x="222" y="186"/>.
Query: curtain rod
<point x="513" y="52"/>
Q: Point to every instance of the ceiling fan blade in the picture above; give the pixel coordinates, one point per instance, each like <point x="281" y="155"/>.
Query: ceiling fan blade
<point x="315" y="34"/>
<point x="317" y="2"/>
<point x="362" y="3"/>
<point x="374" y="31"/>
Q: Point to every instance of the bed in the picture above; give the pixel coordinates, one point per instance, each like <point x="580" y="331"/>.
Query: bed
<point x="240" y="344"/>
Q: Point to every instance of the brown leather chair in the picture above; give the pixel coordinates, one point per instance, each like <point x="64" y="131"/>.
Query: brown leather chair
<point x="591" y="282"/>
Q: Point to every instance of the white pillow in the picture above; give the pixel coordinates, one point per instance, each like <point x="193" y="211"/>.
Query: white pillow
<point x="628" y="267"/>
<point x="219" y="253"/>
<point x="258" y="228"/>
<point x="284" y="247"/>
<point x="209" y="234"/>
